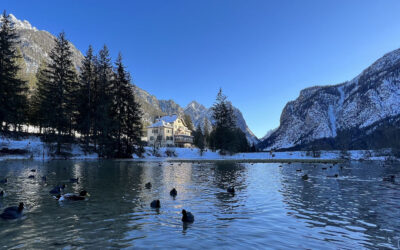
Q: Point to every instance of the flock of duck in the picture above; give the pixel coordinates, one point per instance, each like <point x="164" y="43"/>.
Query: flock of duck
<point x="305" y="177"/>
<point x="186" y="216"/>
<point x="15" y="212"/>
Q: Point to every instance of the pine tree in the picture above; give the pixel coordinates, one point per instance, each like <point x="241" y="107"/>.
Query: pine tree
<point x="223" y="134"/>
<point x="103" y="101"/>
<point x="223" y="113"/>
<point x="125" y="112"/>
<point x="58" y="83"/>
<point x="12" y="89"/>
<point x="85" y="96"/>
<point x="40" y="108"/>
<point x="199" y="138"/>
<point x="188" y="121"/>
<point x="206" y="131"/>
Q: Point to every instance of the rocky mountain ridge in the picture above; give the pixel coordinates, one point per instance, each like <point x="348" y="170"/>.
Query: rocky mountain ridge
<point x="323" y="111"/>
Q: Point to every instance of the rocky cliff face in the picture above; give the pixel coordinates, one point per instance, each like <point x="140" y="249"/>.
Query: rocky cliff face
<point x="322" y="111"/>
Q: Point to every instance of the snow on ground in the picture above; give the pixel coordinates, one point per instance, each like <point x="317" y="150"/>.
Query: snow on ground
<point x="36" y="149"/>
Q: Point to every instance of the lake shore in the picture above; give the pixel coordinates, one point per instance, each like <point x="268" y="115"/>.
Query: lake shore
<point x="34" y="148"/>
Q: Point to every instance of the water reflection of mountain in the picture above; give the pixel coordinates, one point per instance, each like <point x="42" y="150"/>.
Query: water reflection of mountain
<point x="353" y="205"/>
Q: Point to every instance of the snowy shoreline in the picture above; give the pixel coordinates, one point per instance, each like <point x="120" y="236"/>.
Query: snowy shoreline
<point x="35" y="149"/>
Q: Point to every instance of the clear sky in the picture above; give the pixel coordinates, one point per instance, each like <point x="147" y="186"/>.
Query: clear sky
<point x="262" y="53"/>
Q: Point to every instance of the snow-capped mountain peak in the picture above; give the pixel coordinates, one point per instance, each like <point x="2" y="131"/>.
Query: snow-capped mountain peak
<point x="323" y="111"/>
<point x="19" y="24"/>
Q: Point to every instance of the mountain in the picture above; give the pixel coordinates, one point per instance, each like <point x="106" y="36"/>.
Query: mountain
<point x="198" y="113"/>
<point x="359" y="105"/>
<point x="36" y="45"/>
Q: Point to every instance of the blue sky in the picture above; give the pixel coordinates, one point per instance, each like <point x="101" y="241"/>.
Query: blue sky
<point x="262" y="53"/>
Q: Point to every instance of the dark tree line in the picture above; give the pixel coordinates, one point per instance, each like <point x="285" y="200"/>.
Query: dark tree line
<point x="95" y="105"/>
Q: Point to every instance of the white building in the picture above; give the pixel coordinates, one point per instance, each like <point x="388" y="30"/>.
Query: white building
<point x="169" y="131"/>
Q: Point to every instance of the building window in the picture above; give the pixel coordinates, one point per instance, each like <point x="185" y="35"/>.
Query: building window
<point x="151" y="138"/>
<point x="155" y="131"/>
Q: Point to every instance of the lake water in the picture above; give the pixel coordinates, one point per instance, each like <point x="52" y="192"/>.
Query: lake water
<point x="272" y="208"/>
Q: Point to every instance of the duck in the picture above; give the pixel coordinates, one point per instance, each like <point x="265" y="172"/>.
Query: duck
<point x="324" y="168"/>
<point x="155" y="204"/>
<point x="73" y="197"/>
<point x="298" y="170"/>
<point x="173" y="192"/>
<point x="57" y="189"/>
<point x="33" y="170"/>
<point x="74" y="180"/>
<point x="305" y="177"/>
<point x="31" y="177"/>
<point x="5" y="180"/>
<point x="187" y="216"/>
<point x="148" y="185"/>
<point x="389" y="178"/>
<point x="333" y="176"/>
<point x="231" y="190"/>
<point x="11" y="213"/>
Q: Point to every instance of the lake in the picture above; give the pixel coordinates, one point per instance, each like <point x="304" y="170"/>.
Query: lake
<point x="273" y="206"/>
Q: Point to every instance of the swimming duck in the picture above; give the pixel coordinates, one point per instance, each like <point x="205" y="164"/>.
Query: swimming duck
<point x="155" y="204"/>
<point x="31" y="177"/>
<point x="5" y="180"/>
<point x="231" y="190"/>
<point x="305" y="177"/>
<point x="73" y="197"/>
<point x="389" y="178"/>
<point x="148" y="185"/>
<point x="173" y="192"/>
<point x="187" y="216"/>
<point x="333" y="176"/>
<point x="57" y="189"/>
<point x="298" y="170"/>
<point x="74" y="180"/>
<point x="324" y="168"/>
<point x="33" y="170"/>
<point x="12" y="212"/>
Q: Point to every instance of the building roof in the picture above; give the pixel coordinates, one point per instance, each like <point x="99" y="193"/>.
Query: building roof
<point x="160" y="123"/>
<point x="169" y="118"/>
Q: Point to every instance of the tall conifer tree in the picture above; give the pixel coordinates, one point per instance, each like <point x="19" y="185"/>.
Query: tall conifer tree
<point x="12" y="89"/>
<point x="85" y="96"/>
<point x="58" y="81"/>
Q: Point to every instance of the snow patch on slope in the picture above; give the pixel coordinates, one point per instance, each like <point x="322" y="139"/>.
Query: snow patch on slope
<point x="332" y="119"/>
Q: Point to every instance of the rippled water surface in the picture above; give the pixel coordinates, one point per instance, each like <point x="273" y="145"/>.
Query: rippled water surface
<point x="273" y="207"/>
